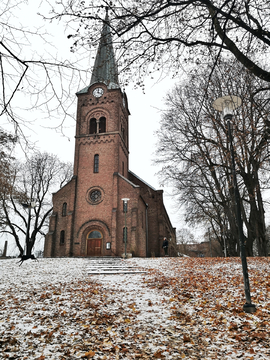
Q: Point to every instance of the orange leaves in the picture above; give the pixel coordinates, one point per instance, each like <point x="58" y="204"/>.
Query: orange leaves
<point x="259" y="336"/>
<point x="89" y="354"/>
<point x="132" y="306"/>
<point x="186" y="338"/>
<point x="206" y="296"/>
<point x="233" y="327"/>
<point x="44" y="296"/>
<point x="159" y="355"/>
<point x="185" y="309"/>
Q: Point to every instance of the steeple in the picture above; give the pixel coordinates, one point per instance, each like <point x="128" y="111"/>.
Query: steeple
<point x="105" y="68"/>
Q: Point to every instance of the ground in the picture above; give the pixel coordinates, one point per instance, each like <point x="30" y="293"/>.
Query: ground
<point x="179" y="308"/>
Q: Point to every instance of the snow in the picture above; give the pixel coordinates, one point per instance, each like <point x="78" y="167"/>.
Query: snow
<point x="178" y="308"/>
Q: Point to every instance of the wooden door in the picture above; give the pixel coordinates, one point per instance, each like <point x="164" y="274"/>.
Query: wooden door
<point x="94" y="247"/>
<point x="94" y="243"/>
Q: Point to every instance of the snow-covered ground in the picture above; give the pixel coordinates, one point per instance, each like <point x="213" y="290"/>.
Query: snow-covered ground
<point x="179" y="308"/>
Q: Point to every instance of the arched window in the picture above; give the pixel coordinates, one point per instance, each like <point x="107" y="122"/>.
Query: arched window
<point x="62" y="237"/>
<point x="123" y="132"/>
<point x="93" y="126"/>
<point x="96" y="163"/>
<point x="64" y="209"/>
<point x="102" y="125"/>
<point x="95" y="234"/>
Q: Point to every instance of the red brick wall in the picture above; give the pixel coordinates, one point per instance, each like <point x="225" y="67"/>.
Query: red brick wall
<point x="159" y="224"/>
<point x="107" y="215"/>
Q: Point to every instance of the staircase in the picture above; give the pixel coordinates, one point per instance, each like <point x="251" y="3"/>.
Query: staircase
<point x="112" y="266"/>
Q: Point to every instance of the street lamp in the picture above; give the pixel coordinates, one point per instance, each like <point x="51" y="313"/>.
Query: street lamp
<point x="125" y="201"/>
<point x="226" y="105"/>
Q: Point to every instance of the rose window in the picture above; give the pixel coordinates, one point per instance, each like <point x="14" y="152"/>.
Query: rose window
<point x="95" y="196"/>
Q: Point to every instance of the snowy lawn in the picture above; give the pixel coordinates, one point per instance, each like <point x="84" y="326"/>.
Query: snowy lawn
<point x="180" y="308"/>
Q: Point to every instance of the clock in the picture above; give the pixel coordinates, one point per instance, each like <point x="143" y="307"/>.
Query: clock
<point x="98" y="92"/>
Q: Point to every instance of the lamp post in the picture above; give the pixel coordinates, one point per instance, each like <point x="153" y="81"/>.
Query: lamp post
<point x="225" y="250"/>
<point x="125" y="201"/>
<point x="29" y="206"/>
<point x="226" y="105"/>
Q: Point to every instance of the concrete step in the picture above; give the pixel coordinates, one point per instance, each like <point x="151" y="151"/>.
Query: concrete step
<point x="112" y="266"/>
<point x="114" y="272"/>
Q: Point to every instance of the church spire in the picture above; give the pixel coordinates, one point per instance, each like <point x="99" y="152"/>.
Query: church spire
<point x="105" y="68"/>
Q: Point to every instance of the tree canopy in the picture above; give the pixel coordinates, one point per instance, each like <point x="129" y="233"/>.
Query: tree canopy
<point x="172" y="34"/>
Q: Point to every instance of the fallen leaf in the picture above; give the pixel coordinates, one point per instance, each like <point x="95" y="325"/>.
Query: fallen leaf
<point x="89" y="354"/>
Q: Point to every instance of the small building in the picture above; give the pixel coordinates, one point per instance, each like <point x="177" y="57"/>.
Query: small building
<point x="89" y="217"/>
<point x="202" y="249"/>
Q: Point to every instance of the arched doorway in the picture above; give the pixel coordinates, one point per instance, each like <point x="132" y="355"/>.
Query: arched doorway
<point x="94" y="243"/>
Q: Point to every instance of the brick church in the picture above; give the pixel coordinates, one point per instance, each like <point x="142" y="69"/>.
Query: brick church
<point x="89" y="217"/>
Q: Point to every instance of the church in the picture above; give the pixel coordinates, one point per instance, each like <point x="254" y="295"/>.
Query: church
<point x="106" y="209"/>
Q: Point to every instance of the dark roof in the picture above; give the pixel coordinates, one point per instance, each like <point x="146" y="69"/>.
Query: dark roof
<point x="140" y="179"/>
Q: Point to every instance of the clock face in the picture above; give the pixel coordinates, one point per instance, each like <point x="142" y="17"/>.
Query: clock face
<point x="98" y="92"/>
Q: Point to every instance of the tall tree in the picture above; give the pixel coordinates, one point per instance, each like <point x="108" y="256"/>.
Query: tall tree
<point x="28" y="205"/>
<point x="170" y="33"/>
<point x="195" y="153"/>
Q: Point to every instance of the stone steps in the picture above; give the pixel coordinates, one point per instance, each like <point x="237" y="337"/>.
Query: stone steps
<point x="111" y="266"/>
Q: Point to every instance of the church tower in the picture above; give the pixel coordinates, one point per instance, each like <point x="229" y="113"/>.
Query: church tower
<point x="88" y="217"/>
<point x="102" y="115"/>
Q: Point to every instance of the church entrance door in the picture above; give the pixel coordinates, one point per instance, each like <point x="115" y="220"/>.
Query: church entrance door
<point x="94" y="243"/>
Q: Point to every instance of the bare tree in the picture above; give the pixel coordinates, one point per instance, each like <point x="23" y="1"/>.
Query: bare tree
<point x="173" y="33"/>
<point x="7" y="142"/>
<point x="195" y="154"/>
<point x="34" y="73"/>
<point x="27" y="206"/>
<point x="184" y="237"/>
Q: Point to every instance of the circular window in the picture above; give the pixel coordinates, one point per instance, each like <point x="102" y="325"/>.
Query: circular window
<point x="94" y="195"/>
